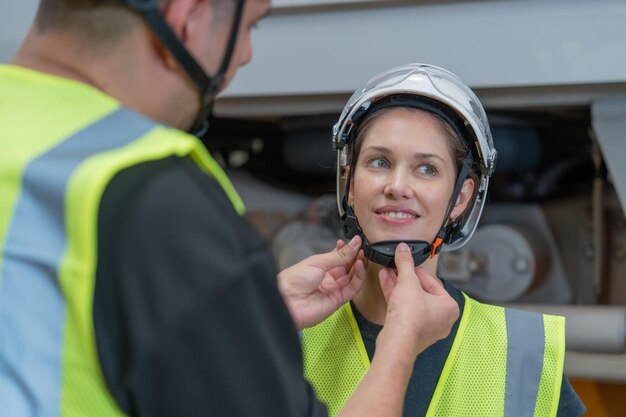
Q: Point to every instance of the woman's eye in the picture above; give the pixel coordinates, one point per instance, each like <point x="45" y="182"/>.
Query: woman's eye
<point x="378" y="163"/>
<point x="428" y="169"/>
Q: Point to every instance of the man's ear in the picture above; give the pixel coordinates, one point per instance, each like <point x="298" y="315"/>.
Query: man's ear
<point x="467" y="191"/>
<point x="179" y="15"/>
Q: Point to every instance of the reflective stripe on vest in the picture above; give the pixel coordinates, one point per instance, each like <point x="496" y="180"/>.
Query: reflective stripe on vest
<point x="32" y="308"/>
<point x="524" y="362"/>
<point x="502" y="363"/>
<point x="48" y="360"/>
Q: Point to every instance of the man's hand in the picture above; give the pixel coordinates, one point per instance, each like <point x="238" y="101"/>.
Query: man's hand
<point x="317" y="286"/>
<point x="419" y="310"/>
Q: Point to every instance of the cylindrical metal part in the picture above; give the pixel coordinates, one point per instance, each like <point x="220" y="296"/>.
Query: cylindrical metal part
<point x="598" y="329"/>
<point x="596" y="366"/>
<point x="508" y="260"/>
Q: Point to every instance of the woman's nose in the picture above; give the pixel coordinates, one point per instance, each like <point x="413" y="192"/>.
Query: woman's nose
<point x="398" y="186"/>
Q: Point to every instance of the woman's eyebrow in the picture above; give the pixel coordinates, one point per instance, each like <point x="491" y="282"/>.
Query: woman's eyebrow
<point x="417" y="155"/>
<point x="380" y="149"/>
<point x="423" y="155"/>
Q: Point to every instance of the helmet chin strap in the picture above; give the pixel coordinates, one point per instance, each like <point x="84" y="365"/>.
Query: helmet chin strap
<point x="207" y="86"/>
<point x="383" y="252"/>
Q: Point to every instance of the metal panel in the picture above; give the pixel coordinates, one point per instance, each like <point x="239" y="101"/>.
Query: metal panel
<point x="15" y="19"/>
<point x="490" y="44"/>
<point x="609" y="125"/>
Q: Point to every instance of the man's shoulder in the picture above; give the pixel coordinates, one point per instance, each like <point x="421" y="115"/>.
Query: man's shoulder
<point x="174" y="202"/>
<point x="167" y="234"/>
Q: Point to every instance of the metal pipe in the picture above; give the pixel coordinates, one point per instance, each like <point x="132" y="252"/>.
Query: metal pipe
<point x="599" y="235"/>
<point x="597" y="329"/>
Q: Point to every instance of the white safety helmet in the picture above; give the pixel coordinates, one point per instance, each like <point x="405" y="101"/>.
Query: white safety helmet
<point x="438" y="91"/>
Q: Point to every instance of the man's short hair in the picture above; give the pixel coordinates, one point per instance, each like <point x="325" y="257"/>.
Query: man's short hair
<point x="95" y="20"/>
<point x="99" y="20"/>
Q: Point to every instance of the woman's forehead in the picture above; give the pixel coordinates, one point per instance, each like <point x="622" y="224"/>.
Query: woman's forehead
<point x="408" y="125"/>
<point x="409" y="132"/>
<point x="410" y="114"/>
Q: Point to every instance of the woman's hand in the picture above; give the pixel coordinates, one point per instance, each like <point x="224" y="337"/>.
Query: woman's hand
<point x="316" y="287"/>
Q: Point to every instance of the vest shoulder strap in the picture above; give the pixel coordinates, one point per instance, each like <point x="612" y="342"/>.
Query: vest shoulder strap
<point x="503" y="362"/>
<point x="335" y="359"/>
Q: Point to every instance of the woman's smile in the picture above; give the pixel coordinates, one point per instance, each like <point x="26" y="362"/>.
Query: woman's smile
<point x="393" y="215"/>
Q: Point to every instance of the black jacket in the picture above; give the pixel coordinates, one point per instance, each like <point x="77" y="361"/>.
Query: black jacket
<point x="188" y="318"/>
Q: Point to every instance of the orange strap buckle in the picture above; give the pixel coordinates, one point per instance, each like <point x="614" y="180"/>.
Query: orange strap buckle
<point x="436" y="244"/>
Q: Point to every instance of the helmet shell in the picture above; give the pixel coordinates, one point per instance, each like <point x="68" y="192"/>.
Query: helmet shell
<point x="433" y="84"/>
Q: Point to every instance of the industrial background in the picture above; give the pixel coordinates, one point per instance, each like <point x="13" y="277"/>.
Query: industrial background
<point x="552" y="77"/>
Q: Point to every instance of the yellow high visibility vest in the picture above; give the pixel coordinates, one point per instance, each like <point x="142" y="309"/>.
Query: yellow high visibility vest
<point x="503" y="362"/>
<point x="61" y="143"/>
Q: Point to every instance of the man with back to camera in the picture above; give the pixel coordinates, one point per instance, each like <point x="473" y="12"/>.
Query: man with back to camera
<point x="129" y="283"/>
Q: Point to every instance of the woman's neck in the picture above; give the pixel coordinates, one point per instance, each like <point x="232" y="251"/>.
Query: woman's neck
<point x="370" y="300"/>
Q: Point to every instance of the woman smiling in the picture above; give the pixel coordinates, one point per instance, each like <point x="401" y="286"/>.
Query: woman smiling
<point x="415" y="155"/>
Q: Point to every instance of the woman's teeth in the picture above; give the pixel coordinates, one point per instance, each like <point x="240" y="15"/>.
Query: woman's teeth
<point x="398" y="215"/>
